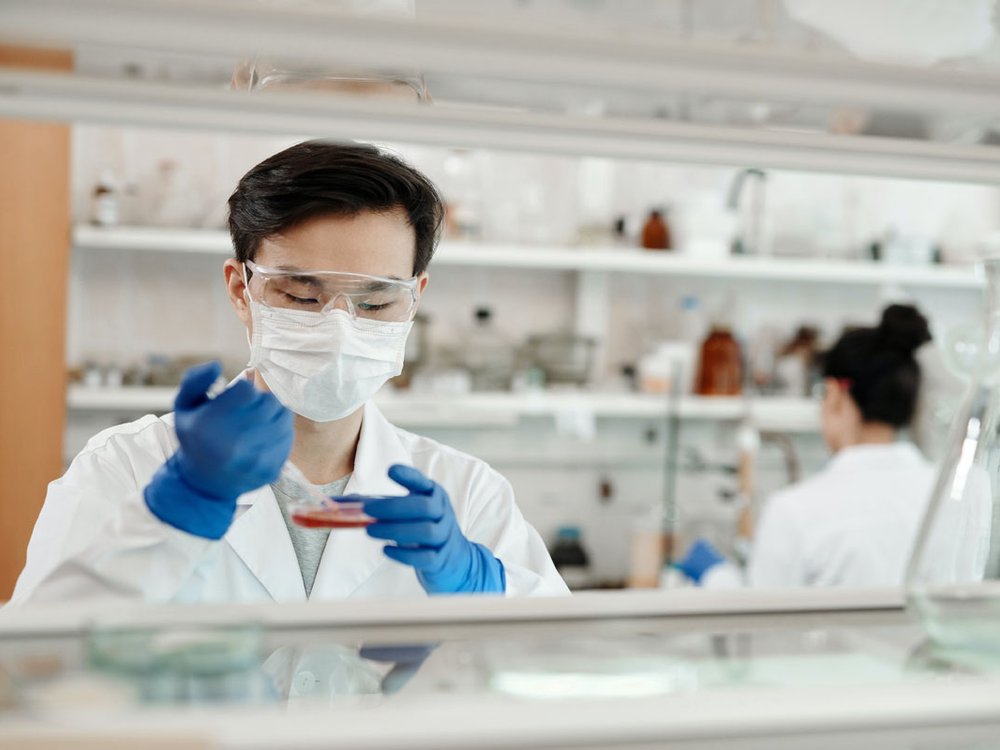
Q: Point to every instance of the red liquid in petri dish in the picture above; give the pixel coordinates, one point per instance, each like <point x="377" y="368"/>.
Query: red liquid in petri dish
<point x="331" y="517"/>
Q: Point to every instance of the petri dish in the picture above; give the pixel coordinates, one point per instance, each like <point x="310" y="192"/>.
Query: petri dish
<point x="190" y="650"/>
<point x="340" y="515"/>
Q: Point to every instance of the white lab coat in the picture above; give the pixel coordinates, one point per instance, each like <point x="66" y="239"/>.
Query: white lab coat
<point x="95" y="537"/>
<point x="852" y="524"/>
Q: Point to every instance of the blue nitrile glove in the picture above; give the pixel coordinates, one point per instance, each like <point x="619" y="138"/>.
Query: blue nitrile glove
<point x="427" y="537"/>
<point x="229" y="445"/>
<point x="701" y="557"/>
<point x="406" y="660"/>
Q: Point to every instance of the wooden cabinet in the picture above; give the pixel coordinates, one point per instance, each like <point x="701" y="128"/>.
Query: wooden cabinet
<point x="34" y="262"/>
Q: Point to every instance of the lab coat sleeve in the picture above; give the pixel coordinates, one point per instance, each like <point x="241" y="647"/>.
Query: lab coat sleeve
<point x="500" y="526"/>
<point x="776" y="560"/>
<point x="96" y="539"/>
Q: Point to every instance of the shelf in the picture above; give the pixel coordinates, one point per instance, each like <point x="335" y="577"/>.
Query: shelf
<point x="613" y="260"/>
<point x="152" y="239"/>
<point x="505" y="409"/>
<point x="77" y="98"/>
<point x="631" y="260"/>
<point x="501" y="70"/>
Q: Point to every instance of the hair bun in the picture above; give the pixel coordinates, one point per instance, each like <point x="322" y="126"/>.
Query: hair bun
<point x="904" y="328"/>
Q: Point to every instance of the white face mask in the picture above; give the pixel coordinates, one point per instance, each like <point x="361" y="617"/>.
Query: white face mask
<point x="324" y="366"/>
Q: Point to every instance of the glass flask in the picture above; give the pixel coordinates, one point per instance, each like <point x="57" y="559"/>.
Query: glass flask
<point x="953" y="578"/>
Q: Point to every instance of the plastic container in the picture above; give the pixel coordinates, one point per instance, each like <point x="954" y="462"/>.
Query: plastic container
<point x="335" y="515"/>
<point x="669" y="368"/>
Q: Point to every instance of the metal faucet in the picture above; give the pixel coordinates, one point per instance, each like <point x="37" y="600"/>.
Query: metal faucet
<point x="748" y="242"/>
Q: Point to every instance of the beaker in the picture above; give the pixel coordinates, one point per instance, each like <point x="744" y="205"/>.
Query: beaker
<point x="953" y="579"/>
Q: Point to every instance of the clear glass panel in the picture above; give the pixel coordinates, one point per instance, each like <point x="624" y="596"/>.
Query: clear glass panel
<point x="954" y="575"/>
<point x="249" y="664"/>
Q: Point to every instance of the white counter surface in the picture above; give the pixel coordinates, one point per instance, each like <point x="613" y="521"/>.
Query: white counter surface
<point x="688" y="668"/>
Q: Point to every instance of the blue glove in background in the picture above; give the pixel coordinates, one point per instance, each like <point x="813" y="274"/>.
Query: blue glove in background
<point x="229" y="445"/>
<point x="427" y="537"/>
<point x="701" y="557"/>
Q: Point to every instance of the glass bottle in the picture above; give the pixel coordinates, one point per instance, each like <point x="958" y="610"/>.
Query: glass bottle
<point x="720" y="365"/>
<point x="656" y="232"/>
<point x="489" y="357"/>
<point x="953" y="579"/>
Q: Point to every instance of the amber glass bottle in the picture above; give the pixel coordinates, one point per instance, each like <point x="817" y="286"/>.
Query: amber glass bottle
<point x="655" y="232"/>
<point x="720" y="367"/>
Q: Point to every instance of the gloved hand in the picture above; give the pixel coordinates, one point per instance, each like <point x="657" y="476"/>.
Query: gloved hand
<point x="427" y="537"/>
<point x="229" y="445"/>
<point x="700" y="558"/>
<point x="406" y="660"/>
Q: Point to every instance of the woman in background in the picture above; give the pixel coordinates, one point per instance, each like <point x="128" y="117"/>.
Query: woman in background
<point x="854" y="522"/>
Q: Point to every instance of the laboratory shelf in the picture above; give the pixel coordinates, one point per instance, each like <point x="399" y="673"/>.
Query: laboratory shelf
<point x="506" y="409"/>
<point x="513" y="86"/>
<point x="608" y="260"/>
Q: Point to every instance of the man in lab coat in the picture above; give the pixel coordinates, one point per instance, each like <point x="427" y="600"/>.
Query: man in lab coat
<point x="332" y="244"/>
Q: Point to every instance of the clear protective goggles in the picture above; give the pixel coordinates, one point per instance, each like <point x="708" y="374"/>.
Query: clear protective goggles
<point x="365" y="297"/>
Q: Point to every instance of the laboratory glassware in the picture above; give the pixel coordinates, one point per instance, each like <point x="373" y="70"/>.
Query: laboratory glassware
<point x="262" y="73"/>
<point x="720" y="366"/>
<point x="488" y="356"/>
<point x="953" y="578"/>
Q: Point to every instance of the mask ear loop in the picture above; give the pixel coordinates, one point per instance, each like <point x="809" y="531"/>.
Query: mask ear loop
<point x="246" y="282"/>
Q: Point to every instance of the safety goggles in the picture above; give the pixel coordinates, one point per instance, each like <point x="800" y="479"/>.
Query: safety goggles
<point x="363" y="296"/>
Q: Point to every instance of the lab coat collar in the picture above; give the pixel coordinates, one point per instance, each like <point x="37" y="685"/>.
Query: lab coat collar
<point x="259" y="537"/>
<point x="874" y="457"/>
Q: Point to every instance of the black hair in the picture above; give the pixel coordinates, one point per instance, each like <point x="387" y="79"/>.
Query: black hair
<point x="318" y="178"/>
<point x="881" y="366"/>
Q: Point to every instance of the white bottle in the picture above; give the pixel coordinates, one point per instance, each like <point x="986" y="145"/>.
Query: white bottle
<point x="104" y="209"/>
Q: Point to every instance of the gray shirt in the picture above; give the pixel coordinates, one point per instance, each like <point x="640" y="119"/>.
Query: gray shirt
<point x="308" y="543"/>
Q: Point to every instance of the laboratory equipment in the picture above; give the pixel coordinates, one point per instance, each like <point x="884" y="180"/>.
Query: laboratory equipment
<point x="563" y="357"/>
<point x="365" y="297"/>
<point x="750" y="240"/>
<point x="342" y="515"/>
<point x="720" y="366"/>
<point x="668" y="368"/>
<point x="489" y="357"/>
<point x="320" y="511"/>
<point x="263" y="73"/>
<point x="182" y="663"/>
<point x="953" y="578"/>
<point x="104" y="202"/>
<point x="570" y="558"/>
<point x="656" y="232"/>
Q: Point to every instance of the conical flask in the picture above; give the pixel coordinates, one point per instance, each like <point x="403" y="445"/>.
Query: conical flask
<point x="953" y="579"/>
